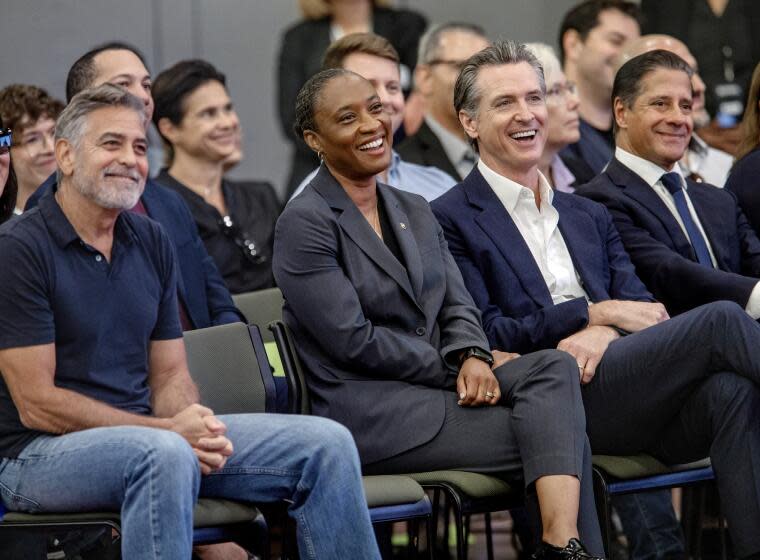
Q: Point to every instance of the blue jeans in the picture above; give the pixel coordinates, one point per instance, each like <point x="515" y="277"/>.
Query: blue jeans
<point x="152" y="476"/>
<point x="650" y="525"/>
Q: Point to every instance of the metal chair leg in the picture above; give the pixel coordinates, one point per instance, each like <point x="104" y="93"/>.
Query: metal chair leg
<point x="489" y="536"/>
<point x="461" y="538"/>
<point x="603" y="509"/>
<point x="430" y="534"/>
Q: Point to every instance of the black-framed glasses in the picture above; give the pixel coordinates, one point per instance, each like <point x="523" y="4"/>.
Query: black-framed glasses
<point x="6" y="138"/>
<point x="249" y="247"/>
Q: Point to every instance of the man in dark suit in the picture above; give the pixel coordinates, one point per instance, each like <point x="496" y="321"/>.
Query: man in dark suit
<point x="204" y="299"/>
<point x="547" y="269"/>
<point x="439" y="142"/>
<point x="689" y="241"/>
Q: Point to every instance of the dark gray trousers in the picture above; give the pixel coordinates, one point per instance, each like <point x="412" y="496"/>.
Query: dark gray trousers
<point x="537" y="429"/>
<point x="685" y="389"/>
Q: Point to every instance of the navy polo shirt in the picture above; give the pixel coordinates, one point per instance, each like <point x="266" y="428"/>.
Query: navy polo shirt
<point x="100" y="315"/>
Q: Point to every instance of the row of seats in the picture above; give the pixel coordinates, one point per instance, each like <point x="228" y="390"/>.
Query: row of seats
<point x="231" y="366"/>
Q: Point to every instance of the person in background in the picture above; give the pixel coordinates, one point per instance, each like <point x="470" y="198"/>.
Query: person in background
<point x="440" y="142"/>
<point x="200" y="128"/>
<point x="701" y="163"/>
<point x="744" y="178"/>
<point x="30" y="113"/>
<point x="562" y="123"/>
<point x="304" y="44"/>
<point x="591" y="36"/>
<point x="375" y="59"/>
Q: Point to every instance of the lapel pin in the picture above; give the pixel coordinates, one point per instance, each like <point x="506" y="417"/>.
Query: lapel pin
<point x="403" y="225"/>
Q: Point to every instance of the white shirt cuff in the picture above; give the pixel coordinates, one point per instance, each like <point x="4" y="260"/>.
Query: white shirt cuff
<point x="753" y="303"/>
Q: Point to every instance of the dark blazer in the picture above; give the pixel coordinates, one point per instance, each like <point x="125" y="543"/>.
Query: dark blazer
<point x="201" y="288"/>
<point x="301" y="50"/>
<point x="744" y="182"/>
<point x="379" y="342"/>
<point x="662" y="254"/>
<point x="504" y="279"/>
<point x="424" y="148"/>
<point x="588" y="156"/>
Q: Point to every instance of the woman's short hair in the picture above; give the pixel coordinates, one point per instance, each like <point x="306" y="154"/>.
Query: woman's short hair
<point x="10" y="189"/>
<point x="173" y="86"/>
<point x="364" y="43"/>
<point x="466" y="92"/>
<point x="627" y="84"/>
<point x="750" y="125"/>
<point x="20" y="102"/>
<point x="309" y="96"/>
<point x="318" y="9"/>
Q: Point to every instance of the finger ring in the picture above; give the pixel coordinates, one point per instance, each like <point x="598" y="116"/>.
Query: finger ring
<point x="580" y="367"/>
<point x="490" y="395"/>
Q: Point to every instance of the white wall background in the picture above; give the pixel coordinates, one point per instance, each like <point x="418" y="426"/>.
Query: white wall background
<point x="39" y="39"/>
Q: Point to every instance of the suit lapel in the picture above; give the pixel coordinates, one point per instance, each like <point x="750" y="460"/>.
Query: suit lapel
<point x="713" y="231"/>
<point x="402" y="229"/>
<point x="353" y="223"/>
<point x="498" y="225"/>
<point x="635" y="187"/>
<point x="437" y="156"/>
<point x="572" y="225"/>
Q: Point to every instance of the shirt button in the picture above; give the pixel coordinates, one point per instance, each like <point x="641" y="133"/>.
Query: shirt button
<point x="420" y="331"/>
<point x="98" y="258"/>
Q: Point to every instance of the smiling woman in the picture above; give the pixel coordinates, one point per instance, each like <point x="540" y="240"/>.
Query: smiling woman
<point x="201" y="131"/>
<point x="390" y="339"/>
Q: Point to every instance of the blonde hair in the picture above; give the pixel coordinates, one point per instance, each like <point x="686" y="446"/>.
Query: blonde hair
<point x="318" y="9"/>
<point x="750" y="125"/>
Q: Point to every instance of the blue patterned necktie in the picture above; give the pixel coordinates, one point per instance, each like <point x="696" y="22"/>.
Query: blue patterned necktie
<point x="672" y="182"/>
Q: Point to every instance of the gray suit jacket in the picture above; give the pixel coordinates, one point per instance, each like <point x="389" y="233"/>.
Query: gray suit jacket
<point x="379" y="342"/>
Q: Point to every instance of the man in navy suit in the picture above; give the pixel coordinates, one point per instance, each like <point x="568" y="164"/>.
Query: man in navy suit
<point x="689" y="241"/>
<point x="204" y="299"/>
<point x="547" y="269"/>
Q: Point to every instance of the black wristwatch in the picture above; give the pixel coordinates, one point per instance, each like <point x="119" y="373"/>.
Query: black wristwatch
<point x="475" y="352"/>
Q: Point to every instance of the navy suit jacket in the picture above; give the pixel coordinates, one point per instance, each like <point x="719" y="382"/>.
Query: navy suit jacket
<point x="663" y="256"/>
<point x="504" y="279"/>
<point x="200" y="286"/>
<point x="587" y="157"/>
<point x="378" y="339"/>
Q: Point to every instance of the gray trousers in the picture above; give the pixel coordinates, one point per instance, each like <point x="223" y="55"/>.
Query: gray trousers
<point x="685" y="389"/>
<point x="537" y="429"/>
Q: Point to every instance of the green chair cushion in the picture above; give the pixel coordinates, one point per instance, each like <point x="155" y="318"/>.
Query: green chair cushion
<point x="627" y="467"/>
<point x="390" y="490"/>
<point x="207" y="513"/>
<point x="474" y="485"/>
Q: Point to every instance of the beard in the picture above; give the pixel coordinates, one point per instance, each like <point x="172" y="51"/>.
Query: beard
<point x="104" y="191"/>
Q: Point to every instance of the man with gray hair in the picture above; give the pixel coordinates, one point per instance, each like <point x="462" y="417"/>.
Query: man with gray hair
<point x="440" y="142"/>
<point x="95" y="378"/>
<point x="547" y="270"/>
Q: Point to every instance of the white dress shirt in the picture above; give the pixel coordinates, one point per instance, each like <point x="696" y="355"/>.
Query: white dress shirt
<point x="539" y="228"/>
<point x="651" y="174"/>
<point x="707" y="162"/>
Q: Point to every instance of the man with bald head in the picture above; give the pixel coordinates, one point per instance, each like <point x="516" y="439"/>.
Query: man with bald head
<point x="701" y="162"/>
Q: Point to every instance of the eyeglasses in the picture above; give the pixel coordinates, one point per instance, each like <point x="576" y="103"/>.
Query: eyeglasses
<point x="455" y="64"/>
<point x="562" y="90"/>
<point x="242" y="240"/>
<point x="5" y="141"/>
